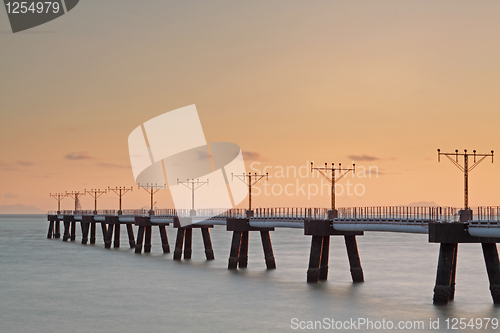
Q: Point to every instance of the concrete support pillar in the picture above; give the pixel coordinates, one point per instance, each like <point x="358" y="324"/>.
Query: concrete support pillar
<point x="109" y="236"/>
<point x="490" y="254"/>
<point x="140" y="238"/>
<point x="453" y="272"/>
<point x="130" y="232"/>
<point x="92" y="233"/>
<point x="354" y="261"/>
<point x="51" y="229"/>
<point x="66" y="231"/>
<point x="243" y="257"/>
<point x="315" y="259"/>
<point x="73" y="231"/>
<point x="57" y="233"/>
<point x="444" y="273"/>
<point x="164" y="239"/>
<point x="116" y="243"/>
<point x="147" y="239"/>
<point x="188" y="243"/>
<point x="234" y="253"/>
<point x="104" y="229"/>
<point x="325" y="252"/>
<point x="179" y="243"/>
<point x="268" y="249"/>
<point x="209" y="252"/>
<point x="85" y="231"/>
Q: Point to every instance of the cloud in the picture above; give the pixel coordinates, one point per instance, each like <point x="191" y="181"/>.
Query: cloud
<point x="82" y="155"/>
<point x="10" y="196"/>
<point x="113" y="165"/>
<point x="203" y="156"/>
<point x="363" y="158"/>
<point x="6" y="167"/>
<point x="251" y="155"/>
<point x="25" y="163"/>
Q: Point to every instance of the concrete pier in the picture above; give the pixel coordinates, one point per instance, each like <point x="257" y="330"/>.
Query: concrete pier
<point x="449" y="235"/>
<point x="57" y="232"/>
<point x="444" y="273"/>
<point x="104" y="229"/>
<point x="67" y="221"/>
<point x="354" y="261"/>
<point x="131" y="239"/>
<point x="234" y="252"/>
<point x="164" y="239"/>
<point x="268" y="249"/>
<point x="109" y="236"/>
<point x="147" y="239"/>
<point x="140" y="239"/>
<point x="116" y="241"/>
<point x="238" y="254"/>
<point x="179" y="243"/>
<point x="313" y="271"/>
<point x="490" y="254"/>
<point x="184" y="240"/>
<point x="92" y="233"/>
<point x="85" y="226"/>
<point x="325" y="253"/>
<point x="243" y="255"/>
<point x="188" y="243"/>
<point x="51" y="229"/>
<point x="73" y="230"/>
<point x="321" y="230"/>
<point x="207" y="242"/>
<point x="453" y="272"/>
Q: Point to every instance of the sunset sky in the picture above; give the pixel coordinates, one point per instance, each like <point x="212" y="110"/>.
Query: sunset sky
<point x="377" y="83"/>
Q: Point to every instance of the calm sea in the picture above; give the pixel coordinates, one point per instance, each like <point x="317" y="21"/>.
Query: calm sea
<point x="54" y="286"/>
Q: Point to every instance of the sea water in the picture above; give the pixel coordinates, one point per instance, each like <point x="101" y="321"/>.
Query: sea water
<point x="47" y="285"/>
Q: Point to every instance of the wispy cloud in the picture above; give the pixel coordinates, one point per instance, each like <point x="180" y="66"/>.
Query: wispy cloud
<point x="251" y="156"/>
<point x="363" y="158"/>
<point x="6" y="167"/>
<point x="82" y="155"/>
<point x="25" y="163"/>
<point x="9" y="195"/>
<point x="113" y="165"/>
<point x="203" y="156"/>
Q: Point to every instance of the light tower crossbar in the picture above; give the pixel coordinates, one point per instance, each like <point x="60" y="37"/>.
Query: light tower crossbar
<point x="250" y="180"/>
<point x="465" y="168"/>
<point x="152" y="189"/>
<point x="59" y="197"/>
<point x="333" y="179"/>
<point x="75" y="195"/>
<point x="193" y="185"/>
<point x="94" y="193"/>
<point x="120" y="192"/>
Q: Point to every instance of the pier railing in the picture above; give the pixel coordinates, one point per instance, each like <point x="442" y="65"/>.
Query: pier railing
<point x="484" y="216"/>
<point x="291" y="213"/>
<point x="402" y="213"/>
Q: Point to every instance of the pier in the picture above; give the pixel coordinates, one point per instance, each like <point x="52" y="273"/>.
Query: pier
<point x="444" y="225"/>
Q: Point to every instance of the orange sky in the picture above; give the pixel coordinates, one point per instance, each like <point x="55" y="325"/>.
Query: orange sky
<point x="288" y="81"/>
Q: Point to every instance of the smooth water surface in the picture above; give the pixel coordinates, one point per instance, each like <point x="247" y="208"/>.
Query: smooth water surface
<point x="55" y="286"/>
